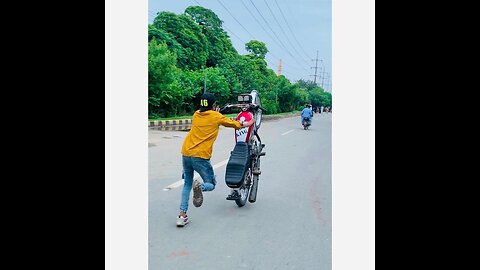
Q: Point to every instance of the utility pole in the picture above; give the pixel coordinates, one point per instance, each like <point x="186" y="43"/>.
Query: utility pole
<point x="279" y="68"/>
<point x="316" y="67"/>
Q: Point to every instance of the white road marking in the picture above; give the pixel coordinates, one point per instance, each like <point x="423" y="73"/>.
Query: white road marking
<point x="195" y="176"/>
<point x="288" y="132"/>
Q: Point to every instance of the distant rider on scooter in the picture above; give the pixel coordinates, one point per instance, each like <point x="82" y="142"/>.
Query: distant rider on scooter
<point x="307" y="113"/>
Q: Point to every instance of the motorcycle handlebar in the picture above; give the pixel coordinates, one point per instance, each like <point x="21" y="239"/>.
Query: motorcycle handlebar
<point x="241" y="106"/>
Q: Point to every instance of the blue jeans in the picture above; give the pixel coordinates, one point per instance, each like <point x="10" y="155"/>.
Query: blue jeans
<point x="204" y="168"/>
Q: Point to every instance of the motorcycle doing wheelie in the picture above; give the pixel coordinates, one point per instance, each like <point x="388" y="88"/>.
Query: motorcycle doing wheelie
<point x="243" y="167"/>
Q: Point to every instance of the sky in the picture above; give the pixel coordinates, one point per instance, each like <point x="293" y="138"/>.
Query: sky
<point x="293" y="31"/>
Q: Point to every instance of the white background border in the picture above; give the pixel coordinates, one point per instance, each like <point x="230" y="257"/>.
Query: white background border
<point x="126" y="134"/>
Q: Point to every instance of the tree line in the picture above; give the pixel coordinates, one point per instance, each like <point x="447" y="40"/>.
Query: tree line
<point x="185" y="50"/>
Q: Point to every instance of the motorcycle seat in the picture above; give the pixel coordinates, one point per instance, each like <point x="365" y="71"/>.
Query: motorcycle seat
<point x="237" y="165"/>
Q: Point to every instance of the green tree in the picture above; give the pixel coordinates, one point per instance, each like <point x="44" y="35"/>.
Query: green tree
<point x="190" y="83"/>
<point x="301" y="97"/>
<point x="242" y="72"/>
<point x="326" y="99"/>
<point x="184" y="48"/>
<point x="217" y="85"/>
<point x="315" y="96"/>
<point x="219" y="44"/>
<point x="286" y="94"/>
<point x="189" y="35"/>
<point x="307" y="85"/>
<point x="164" y="95"/>
<point x="256" y="49"/>
<point x="232" y="79"/>
<point x="163" y="37"/>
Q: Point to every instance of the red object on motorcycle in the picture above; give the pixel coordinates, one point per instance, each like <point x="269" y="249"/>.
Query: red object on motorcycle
<point x="243" y="134"/>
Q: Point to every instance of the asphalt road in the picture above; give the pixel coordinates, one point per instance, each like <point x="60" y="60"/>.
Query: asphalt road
<point x="288" y="227"/>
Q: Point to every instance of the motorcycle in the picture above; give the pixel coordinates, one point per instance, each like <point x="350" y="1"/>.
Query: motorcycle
<point x="243" y="167"/>
<point x="306" y="123"/>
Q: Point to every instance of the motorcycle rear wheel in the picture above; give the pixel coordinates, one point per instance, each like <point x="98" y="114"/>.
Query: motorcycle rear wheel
<point x="244" y="189"/>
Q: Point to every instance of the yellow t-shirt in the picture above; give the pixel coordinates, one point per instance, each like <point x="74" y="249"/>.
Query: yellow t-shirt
<point x="204" y="132"/>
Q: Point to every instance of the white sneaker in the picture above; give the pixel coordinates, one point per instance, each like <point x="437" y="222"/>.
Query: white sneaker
<point x="182" y="221"/>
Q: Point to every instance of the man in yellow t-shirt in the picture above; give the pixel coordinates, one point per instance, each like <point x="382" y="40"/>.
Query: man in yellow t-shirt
<point x="197" y="151"/>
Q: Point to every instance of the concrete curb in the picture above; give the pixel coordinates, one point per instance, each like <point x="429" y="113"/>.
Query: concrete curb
<point x="169" y="123"/>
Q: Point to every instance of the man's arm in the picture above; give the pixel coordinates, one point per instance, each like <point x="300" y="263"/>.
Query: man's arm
<point x="249" y="123"/>
<point x="227" y="122"/>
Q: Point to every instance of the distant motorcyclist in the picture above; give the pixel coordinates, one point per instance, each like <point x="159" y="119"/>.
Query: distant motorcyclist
<point x="307" y="113"/>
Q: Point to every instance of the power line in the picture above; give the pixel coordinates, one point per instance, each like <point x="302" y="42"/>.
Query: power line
<point x="289" y="73"/>
<point x="263" y="28"/>
<point x="197" y="2"/>
<point x="281" y="29"/>
<point x="328" y="83"/>
<point x="292" y="17"/>
<point x="233" y="33"/>
<point x="243" y="3"/>
<point x="268" y="25"/>
<point x="290" y="29"/>
<point x="293" y="66"/>
<point x="235" y="19"/>
<point x="241" y="26"/>
<point x="290" y="66"/>
<point x="316" y="67"/>
<point x="252" y="34"/>
<point x="274" y="32"/>
<point x="268" y="33"/>
<point x="224" y="26"/>
<point x="323" y="76"/>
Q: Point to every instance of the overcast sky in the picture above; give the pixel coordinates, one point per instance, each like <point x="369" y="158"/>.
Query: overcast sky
<point x="293" y="31"/>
